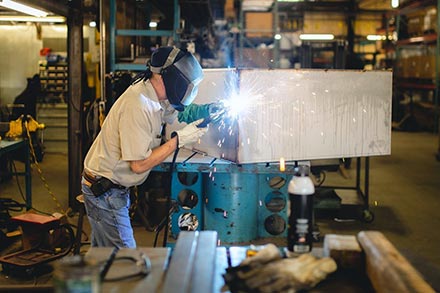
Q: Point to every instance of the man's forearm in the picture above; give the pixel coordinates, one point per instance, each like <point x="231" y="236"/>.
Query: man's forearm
<point x="157" y="156"/>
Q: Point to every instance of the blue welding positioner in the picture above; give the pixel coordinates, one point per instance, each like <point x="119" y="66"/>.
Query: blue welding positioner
<point x="241" y="202"/>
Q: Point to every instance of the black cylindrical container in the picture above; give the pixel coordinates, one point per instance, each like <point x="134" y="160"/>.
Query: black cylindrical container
<point x="300" y="229"/>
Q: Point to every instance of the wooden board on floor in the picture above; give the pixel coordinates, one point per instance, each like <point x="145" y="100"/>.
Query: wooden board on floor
<point x="387" y="269"/>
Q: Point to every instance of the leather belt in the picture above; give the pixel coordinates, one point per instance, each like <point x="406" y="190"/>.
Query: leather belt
<point x="89" y="177"/>
<point x="93" y="179"/>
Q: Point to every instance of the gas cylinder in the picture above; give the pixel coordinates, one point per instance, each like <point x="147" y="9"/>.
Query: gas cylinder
<point x="301" y="190"/>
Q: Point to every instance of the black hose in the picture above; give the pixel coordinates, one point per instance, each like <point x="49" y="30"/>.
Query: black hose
<point x="168" y="202"/>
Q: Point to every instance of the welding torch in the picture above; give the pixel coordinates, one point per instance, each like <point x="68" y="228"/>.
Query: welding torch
<point x="215" y="115"/>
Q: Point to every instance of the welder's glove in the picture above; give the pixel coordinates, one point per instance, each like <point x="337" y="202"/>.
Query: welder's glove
<point x="290" y="274"/>
<point x="216" y="111"/>
<point x="193" y="112"/>
<point x="190" y="133"/>
<point x="235" y="275"/>
<point x="269" y="253"/>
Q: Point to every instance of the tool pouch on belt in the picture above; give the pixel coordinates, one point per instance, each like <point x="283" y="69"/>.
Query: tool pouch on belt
<point x="101" y="185"/>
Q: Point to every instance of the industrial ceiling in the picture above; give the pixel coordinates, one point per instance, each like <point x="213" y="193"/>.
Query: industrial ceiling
<point x="199" y="13"/>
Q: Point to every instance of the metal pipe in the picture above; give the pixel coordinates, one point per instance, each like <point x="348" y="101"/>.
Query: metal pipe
<point x="102" y="48"/>
<point x="276" y="24"/>
<point x="241" y="36"/>
<point x="177" y="28"/>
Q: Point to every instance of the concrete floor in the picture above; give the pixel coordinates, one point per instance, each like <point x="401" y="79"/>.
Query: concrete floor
<point x="404" y="196"/>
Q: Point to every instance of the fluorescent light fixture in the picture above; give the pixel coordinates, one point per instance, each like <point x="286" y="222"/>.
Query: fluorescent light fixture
<point x="376" y="37"/>
<point x="277" y="37"/>
<point x="316" y="37"/>
<point x="52" y="19"/>
<point x="92" y="23"/>
<point x="290" y="0"/>
<point x="153" y="24"/>
<point x="23" y="8"/>
<point x="394" y="3"/>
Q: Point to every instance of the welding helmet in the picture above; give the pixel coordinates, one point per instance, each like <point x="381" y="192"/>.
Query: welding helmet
<point x="181" y="74"/>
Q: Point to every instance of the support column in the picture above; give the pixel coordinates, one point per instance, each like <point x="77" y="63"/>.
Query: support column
<point x="74" y="98"/>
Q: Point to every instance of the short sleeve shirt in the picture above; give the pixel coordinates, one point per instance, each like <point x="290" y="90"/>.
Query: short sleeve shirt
<point x="130" y="131"/>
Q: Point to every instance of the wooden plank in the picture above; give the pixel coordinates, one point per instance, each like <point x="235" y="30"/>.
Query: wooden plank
<point x="345" y="250"/>
<point x="387" y="269"/>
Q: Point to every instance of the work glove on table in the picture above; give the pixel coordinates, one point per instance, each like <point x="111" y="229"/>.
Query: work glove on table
<point x="290" y="274"/>
<point x="269" y="253"/>
<point x="190" y="133"/>
<point x="279" y="274"/>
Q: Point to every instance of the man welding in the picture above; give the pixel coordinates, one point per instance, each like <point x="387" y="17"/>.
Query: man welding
<point x="129" y="143"/>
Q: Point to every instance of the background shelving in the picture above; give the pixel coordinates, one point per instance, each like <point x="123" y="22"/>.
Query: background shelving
<point x="415" y="68"/>
<point x="54" y="82"/>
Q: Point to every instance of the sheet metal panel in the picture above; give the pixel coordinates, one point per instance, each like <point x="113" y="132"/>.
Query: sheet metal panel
<point x="217" y="85"/>
<point x="315" y="114"/>
<point x="299" y="114"/>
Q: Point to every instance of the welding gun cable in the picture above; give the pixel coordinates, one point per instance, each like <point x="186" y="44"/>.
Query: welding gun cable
<point x="143" y="264"/>
<point x="108" y="263"/>
<point x="174" y="208"/>
<point x="168" y="203"/>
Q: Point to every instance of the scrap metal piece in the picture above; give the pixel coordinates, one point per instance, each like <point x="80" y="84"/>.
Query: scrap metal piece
<point x="192" y="264"/>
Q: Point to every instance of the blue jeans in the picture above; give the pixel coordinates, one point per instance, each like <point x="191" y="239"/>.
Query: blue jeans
<point x="109" y="218"/>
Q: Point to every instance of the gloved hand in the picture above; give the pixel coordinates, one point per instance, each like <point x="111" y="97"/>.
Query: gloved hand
<point x="269" y="253"/>
<point x="194" y="112"/>
<point x="268" y="272"/>
<point x="299" y="273"/>
<point x="235" y="275"/>
<point x="216" y="111"/>
<point x="190" y="133"/>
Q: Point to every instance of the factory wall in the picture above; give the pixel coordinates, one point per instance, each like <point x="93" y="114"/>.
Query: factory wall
<point x="20" y="47"/>
<point x="19" y="51"/>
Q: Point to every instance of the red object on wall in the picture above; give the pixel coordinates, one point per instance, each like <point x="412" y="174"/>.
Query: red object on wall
<point x="45" y="51"/>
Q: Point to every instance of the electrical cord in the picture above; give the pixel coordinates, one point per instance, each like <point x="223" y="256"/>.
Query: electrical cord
<point x="40" y="172"/>
<point x="168" y="202"/>
<point x="16" y="180"/>
<point x="11" y="205"/>
<point x="143" y="264"/>
<point x="14" y="167"/>
<point x="161" y="225"/>
<point x="108" y="263"/>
